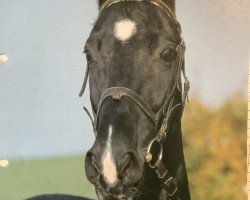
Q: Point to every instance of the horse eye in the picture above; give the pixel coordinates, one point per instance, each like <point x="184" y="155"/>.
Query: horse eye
<point x="168" y="55"/>
<point x="88" y="55"/>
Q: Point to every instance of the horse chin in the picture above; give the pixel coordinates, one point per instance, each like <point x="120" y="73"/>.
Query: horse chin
<point x="121" y="192"/>
<point x="120" y="196"/>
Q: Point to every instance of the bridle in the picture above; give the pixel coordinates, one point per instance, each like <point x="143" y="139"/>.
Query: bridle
<point x="161" y="118"/>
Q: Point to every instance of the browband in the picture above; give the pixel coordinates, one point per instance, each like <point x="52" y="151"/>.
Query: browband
<point x="158" y="3"/>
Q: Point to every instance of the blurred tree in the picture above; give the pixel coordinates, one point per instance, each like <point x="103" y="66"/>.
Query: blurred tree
<point x="215" y="148"/>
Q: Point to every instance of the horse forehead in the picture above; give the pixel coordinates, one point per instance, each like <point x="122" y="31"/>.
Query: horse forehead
<point x="127" y="28"/>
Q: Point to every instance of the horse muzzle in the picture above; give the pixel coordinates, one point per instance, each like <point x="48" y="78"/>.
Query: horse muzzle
<point x="111" y="170"/>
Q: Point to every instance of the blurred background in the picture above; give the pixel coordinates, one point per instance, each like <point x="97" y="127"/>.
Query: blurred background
<point x="44" y="132"/>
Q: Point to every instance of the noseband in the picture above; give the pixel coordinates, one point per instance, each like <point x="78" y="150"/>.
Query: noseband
<point x="161" y="118"/>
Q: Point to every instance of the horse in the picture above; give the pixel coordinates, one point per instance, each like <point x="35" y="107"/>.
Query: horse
<point x="135" y="63"/>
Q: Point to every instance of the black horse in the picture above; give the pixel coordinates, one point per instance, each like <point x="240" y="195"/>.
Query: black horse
<point x="135" y="56"/>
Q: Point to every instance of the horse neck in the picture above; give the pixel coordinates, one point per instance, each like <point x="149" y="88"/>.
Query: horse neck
<point x="174" y="158"/>
<point x="173" y="148"/>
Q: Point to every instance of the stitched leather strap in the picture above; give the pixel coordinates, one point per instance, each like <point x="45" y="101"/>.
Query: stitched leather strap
<point x="158" y="3"/>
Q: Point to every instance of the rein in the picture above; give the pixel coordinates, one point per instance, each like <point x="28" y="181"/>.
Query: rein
<point x="161" y="119"/>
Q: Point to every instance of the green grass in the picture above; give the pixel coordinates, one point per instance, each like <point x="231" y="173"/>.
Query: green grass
<point x="24" y="179"/>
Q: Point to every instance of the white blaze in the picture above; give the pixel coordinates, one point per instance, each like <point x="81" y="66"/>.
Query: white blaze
<point x="109" y="168"/>
<point x="124" y="29"/>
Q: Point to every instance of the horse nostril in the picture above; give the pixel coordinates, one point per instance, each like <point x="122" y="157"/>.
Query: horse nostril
<point x="131" y="169"/>
<point x="94" y="164"/>
<point x="91" y="167"/>
<point x="126" y="162"/>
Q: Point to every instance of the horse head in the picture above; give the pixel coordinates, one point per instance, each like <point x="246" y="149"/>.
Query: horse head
<point x="135" y="57"/>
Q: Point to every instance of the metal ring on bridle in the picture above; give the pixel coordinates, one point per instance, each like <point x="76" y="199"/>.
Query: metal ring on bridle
<point x="149" y="156"/>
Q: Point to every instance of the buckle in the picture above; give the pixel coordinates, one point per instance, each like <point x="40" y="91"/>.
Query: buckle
<point x="170" y="186"/>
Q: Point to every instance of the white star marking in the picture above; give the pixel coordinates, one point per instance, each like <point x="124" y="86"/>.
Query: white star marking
<point x="124" y="30"/>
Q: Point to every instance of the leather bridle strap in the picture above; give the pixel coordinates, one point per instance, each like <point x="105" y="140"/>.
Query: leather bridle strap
<point x="116" y="93"/>
<point x="158" y="3"/>
<point x="84" y="81"/>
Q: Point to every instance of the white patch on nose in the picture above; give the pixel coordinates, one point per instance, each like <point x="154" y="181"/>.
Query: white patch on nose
<point x="109" y="168"/>
<point x="124" y="29"/>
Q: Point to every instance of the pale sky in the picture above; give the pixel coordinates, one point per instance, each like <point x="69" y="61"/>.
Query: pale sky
<point x="40" y="112"/>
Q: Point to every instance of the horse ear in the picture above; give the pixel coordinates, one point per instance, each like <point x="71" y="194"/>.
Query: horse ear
<point x="100" y="2"/>
<point x="171" y="4"/>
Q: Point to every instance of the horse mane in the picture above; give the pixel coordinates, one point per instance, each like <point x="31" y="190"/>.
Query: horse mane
<point x="170" y="3"/>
